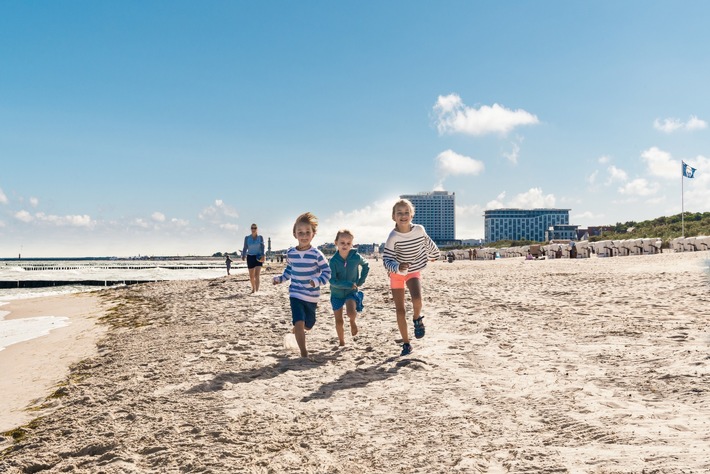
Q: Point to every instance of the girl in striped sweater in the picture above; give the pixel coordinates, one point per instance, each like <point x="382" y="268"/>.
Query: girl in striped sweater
<point x="407" y="251"/>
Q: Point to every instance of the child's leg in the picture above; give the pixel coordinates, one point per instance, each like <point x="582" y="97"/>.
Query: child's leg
<point x="350" y="306"/>
<point x="415" y="291"/>
<point x="299" y="331"/>
<point x="339" y="325"/>
<point x="398" y="297"/>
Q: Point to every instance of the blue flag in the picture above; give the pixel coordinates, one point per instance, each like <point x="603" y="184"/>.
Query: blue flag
<point x="688" y="172"/>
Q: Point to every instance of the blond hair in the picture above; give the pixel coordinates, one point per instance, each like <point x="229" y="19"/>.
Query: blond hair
<point x="306" y="218"/>
<point x="343" y="232"/>
<point x="403" y="202"/>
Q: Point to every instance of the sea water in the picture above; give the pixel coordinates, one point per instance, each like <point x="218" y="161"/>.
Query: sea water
<point x="18" y="273"/>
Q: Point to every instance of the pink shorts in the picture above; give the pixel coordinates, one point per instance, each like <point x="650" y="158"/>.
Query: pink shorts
<point x="397" y="281"/>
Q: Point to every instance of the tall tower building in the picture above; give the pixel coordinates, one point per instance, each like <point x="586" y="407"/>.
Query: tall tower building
<point x="436" y="211"/>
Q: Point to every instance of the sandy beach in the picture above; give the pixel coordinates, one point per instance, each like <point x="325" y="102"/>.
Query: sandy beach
<point x="597" y="365"/>
<point x="32" y="368"/>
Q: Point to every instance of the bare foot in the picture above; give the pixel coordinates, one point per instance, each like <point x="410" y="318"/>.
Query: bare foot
<point x="353" y="328"/>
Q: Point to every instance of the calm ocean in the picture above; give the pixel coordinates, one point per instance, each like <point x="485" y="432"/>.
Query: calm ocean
<point x="20" y="279"/>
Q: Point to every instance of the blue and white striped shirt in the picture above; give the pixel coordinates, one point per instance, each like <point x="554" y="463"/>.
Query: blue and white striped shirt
<point x="414" y="247"/>
<point x="304" y="266"/>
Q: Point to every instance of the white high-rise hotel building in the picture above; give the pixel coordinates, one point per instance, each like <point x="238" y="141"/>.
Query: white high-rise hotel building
<point x="436" y="211"/>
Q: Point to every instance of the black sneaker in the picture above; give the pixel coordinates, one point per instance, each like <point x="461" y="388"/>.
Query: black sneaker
<point x="419" y="329"/>
<point x="406" y="349"/>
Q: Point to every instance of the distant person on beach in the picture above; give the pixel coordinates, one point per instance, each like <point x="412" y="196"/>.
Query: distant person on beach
<point x="345" y="281"/>
<point x="255" y="256"/>
<point x="407" y="251"/>
<point x="228" y="262"/>
<point x="308" y="270"/>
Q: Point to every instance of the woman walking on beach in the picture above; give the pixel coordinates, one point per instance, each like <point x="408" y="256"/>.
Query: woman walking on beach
<point x="255" y="256"/>
<point x="345" y="280"/>
<point x="407" y="251"/>
<point x="308" y="270"/>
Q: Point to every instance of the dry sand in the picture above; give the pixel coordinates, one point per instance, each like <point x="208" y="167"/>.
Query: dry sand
<point x="595" y="365"/>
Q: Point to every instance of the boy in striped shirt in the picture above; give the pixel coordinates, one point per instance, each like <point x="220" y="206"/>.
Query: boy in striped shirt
<point x="407" y="251"/>
<point x="308" y="270"/>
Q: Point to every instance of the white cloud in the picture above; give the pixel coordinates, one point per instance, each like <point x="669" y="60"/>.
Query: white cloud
<point x="179" y="222"/>
<point x="660" y="163"/>
<point x="615" y="175"/>
<point x="3" y="197"/>
<point x="229" y="227"/>
<point x="639" y="187"/>
<point x="604" y="159"/>
<point x="667" y="125"/>
<point x="370" y="224"/>
<point x="34" y="202"/>
<point x="697" y="190"/>
<point x="141" y="223"/>
<point x="670" y="125"/>
<point x="531" y="199"/>
<point x="513" y="155"/>
<point x="469" y="222"/>
<point x="586" y="216"/>
<point x="69" y="220"/>
<point x="592" y="178"/>
<point x="453" y="116"/>
<point x="450" y="163"/>
<point x="158" y="216"/>
<point x="24" y="216"/>
<point x="694" y="123"/>
<point x="217" y="212"/>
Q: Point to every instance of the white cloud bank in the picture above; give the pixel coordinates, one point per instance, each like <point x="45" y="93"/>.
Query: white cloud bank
<point x="69" y="220"/>
<point x="534" y="198"/>
<point x="453" y="116"/>
<point x="670" y="125"/>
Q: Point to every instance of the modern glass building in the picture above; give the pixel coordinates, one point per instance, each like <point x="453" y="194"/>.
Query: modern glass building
<point x="436" y="211"/>
<point x="539" y="225"/>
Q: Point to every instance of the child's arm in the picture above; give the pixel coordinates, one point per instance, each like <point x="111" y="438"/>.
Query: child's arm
<point x="434" y="252"/>
<point x="286" y="275"/>
<point x="322" y="278"/>
<point x="389" y="257"/>
<point x="364" y="271"/>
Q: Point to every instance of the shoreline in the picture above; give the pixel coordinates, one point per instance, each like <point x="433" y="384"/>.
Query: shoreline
<point x="594" y="365"/>
<point x="33" y="367"/>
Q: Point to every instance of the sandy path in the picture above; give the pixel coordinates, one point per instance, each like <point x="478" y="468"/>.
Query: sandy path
<point x="597" y="365"/>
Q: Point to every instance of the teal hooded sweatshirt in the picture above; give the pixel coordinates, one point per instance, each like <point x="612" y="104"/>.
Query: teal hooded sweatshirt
<point x="345" y="273"/>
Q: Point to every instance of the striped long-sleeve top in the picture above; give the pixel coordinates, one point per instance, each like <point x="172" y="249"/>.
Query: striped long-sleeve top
<point x="414" y="247"/>
<point x="302" y="267"/>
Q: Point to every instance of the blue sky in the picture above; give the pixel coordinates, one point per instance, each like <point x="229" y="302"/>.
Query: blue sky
<point x="168" y="127"/>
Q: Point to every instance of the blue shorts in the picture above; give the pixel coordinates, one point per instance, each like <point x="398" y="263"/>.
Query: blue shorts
<point x="303" y="311"/>
<point x="338" y="303"/>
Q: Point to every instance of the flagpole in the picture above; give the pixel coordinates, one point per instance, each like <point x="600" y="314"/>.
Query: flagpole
<point x="682" y="203"/>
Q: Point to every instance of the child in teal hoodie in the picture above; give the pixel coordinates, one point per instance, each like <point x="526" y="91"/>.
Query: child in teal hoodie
<point x="345" y="280"/>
